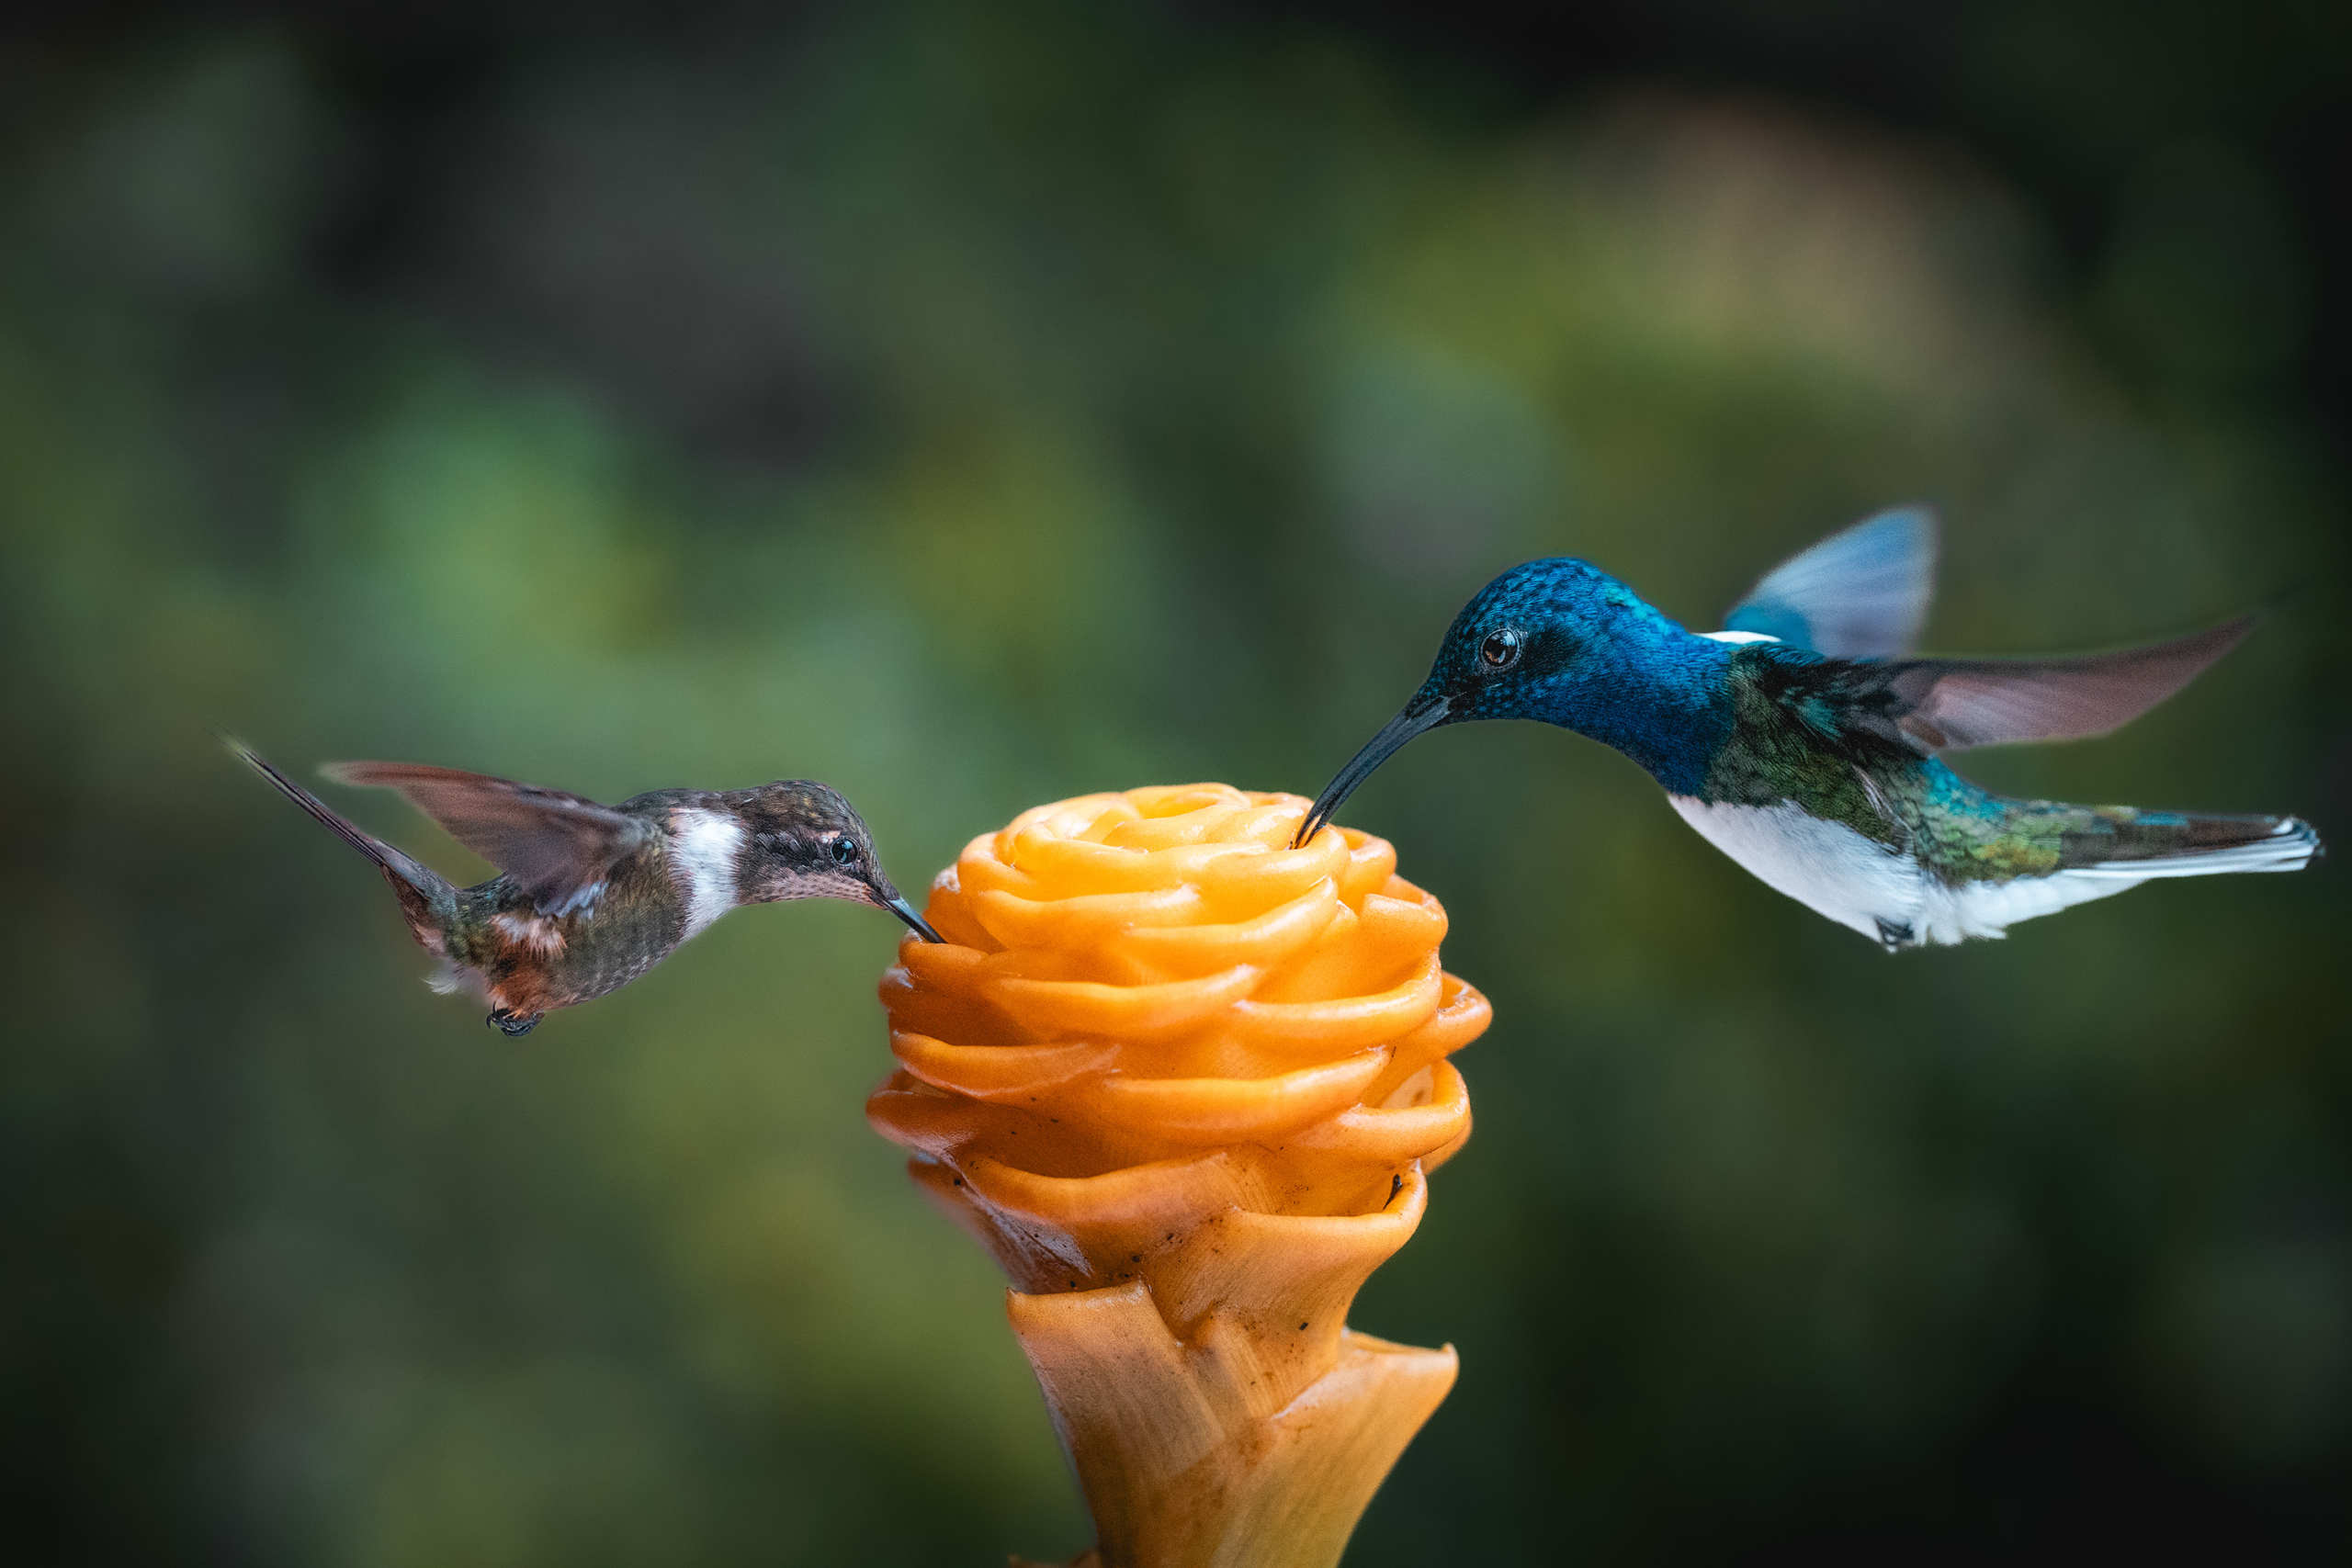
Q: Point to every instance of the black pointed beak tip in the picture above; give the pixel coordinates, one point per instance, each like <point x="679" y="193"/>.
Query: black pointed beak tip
<point x="915" y="922"/>
<point x="1420" y="716"/>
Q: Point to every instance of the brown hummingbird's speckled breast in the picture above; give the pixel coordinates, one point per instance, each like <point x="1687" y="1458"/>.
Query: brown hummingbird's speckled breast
<point x="531" y="962"/>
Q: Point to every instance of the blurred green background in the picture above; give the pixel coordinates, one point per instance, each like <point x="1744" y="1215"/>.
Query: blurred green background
<point x="975" y="406"/>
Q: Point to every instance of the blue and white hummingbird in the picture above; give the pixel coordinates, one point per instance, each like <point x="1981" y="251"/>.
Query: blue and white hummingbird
<point x="1806" y="743"/>
<point x="591" y="897"/>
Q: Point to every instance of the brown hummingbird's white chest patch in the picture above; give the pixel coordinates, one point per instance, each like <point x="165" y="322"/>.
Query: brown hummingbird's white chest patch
<point x="704" y="849"/>
<point x="533" y="933"/>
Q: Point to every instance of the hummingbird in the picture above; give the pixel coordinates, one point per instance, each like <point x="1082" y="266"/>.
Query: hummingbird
<point x="591" y="897"/>
<point x="1804" y="741"/>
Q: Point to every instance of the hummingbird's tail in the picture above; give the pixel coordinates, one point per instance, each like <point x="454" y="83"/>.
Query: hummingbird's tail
<point x="2043" y="856"/>
<point x="2139" y="844"/>
<point x="427" y="900"/>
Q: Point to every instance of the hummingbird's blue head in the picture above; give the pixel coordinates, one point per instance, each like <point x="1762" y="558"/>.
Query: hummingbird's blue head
<point x="1532" y="640"/>
<point x="1558" y="640"/>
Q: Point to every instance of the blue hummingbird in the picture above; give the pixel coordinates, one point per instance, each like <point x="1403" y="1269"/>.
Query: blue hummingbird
<point x="1804" y="743"/>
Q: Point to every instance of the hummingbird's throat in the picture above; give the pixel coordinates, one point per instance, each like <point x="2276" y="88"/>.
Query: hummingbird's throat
<point x="706" y="850"/>
<point x="1670" y="719"/>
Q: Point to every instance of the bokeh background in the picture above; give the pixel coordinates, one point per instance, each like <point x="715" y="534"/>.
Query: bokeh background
<point x="976" y="405"/>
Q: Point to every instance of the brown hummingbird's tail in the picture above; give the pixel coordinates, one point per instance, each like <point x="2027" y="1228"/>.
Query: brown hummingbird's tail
<point x="426" y="898"/>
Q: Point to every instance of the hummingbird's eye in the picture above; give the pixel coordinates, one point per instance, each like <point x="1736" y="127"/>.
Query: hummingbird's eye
<point x="1500" y="650"/>
<point x="843" y="851"/>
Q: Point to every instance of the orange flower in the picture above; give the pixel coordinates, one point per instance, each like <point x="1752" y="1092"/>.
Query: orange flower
<point x="1184" y="1082"/>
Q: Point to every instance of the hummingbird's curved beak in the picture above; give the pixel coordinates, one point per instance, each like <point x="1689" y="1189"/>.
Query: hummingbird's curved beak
<point x="896" y="904"/>
<point x="1422" y="713"/>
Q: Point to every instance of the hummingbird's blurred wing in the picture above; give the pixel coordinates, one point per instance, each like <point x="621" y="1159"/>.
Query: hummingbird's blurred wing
<point x="1948" y="705"/>
<point x="1862" y="594"/>
<point x="557" y="846"/>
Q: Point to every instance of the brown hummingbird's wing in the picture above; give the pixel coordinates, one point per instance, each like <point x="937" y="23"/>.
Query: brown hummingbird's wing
<point x="557" y="846"/>
<point x="1948" y="705"/>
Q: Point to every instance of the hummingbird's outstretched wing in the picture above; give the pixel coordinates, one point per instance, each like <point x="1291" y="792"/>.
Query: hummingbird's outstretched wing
<point x="1862" y="594"/>
<point x="1948" y="705"/>
<point x="557" y="846"/>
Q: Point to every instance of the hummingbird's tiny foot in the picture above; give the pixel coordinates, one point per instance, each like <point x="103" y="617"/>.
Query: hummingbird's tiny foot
<point x="514" y="1025"/>
<point x="1895" y="938"/>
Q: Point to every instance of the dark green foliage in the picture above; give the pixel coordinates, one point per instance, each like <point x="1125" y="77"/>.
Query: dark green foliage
<point x="973" y="412"/>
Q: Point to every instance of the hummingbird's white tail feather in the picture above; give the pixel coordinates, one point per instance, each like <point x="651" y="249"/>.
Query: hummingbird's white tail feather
<point x="2291" y="844"/>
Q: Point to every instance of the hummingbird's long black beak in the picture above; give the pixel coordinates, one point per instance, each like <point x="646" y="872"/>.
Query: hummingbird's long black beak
<point x="1421" y="714"/>
<point x="897" y="905"/>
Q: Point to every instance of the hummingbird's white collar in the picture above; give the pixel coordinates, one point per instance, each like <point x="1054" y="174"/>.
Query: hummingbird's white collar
<point x="704" y="849"/>
<point x="1737" y="637"/>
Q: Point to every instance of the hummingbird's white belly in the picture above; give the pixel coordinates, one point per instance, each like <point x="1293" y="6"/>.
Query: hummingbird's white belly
<point x="1885" y="894"/>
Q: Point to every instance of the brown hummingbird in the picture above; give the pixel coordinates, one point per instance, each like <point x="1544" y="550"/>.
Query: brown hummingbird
<point x="594" y="896"/>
